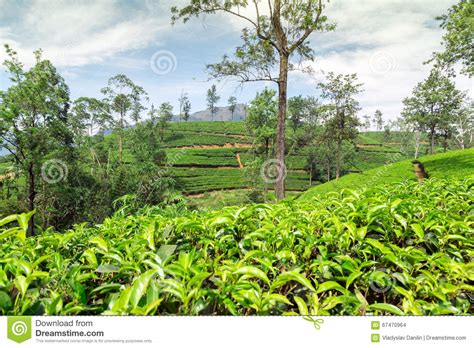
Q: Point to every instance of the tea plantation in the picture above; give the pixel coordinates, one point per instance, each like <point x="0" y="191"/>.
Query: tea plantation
<point x="203" y="156"/>
<point x="403" y="248"/>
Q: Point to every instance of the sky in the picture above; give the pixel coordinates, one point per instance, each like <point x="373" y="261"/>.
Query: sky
<point x="384" y="41"/>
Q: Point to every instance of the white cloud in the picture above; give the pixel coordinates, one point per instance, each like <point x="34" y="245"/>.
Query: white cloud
<point x="82" y="32"/>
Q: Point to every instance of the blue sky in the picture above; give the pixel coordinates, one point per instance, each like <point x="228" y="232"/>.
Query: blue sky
<point x="384" y="41"/>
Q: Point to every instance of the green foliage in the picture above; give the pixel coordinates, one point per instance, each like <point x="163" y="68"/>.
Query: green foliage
<point x="400" y="249"/>
<point x="302" y="111"/>
<point x="232" y="104"/>
<point x="184" y="107"/>
<point x="458" y="37"/>
<point x="212" y="99"/>
<point x="17" y="232"/>
<point x="262" y="118"/>
<point x="378" y="119"/>
<point x="434" y="104"/>
<point x="340" y="114"/>
<point x="34" y="123"/>
<point x="125" y="99"/>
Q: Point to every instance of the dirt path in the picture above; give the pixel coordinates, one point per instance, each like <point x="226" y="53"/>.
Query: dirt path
<point x="237" y="156"/>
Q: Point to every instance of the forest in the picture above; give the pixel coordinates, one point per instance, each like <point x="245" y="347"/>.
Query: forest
<point x="279" y="205"/>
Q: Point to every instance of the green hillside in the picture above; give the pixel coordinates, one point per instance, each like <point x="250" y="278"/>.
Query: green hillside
<point x="452" y="164"/>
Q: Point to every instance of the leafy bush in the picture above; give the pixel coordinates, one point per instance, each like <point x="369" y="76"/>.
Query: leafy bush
<point x="400" y="249"/>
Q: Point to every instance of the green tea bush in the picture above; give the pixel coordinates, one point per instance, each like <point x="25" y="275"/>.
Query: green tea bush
<point x="400" y="249"/>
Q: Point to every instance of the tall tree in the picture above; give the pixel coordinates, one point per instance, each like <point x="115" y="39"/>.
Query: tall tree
<point x="261" y="118"/>
<point x="311" y="118"/>
<point x="278" y="30"/>
<point x="92" y="116"/>
<point x="34" y="119"/>
<point x="458" y="39"/>
<point x="463" y="125"/>
<point x="296" y="111"/>
<point x="366" y="122"/>
<point x="125" y="101"/>
<point x="183" y="100"/>
<point x="165" y="115"/>
<point x="186" y="110"/>
<point x="212" y="99"/>
<point x="342" y="122"/>
<point x="433" y="103"/>
<point x="232" y="105"/>
<point x="378" y="120"/>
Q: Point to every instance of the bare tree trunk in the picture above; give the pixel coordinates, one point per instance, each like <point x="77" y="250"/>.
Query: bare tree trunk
<point x="31" y="199"/>
<point x="446" y="139"/>
<point x="280" y="136"/>
<point x="417" y="144"/>
<point x="459" y="136"/>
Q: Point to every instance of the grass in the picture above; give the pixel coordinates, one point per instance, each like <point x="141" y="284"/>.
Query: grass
<point x="452" y="164"/>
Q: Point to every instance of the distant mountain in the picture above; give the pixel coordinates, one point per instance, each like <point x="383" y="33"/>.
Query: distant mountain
<point x="222" y="114"/>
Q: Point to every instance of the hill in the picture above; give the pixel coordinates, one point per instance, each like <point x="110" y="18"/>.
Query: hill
<point x="222" y="114"/>
<point x="451" y="164"/>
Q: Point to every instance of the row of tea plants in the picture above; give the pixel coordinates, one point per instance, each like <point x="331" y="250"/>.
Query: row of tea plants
<point x="400" y="249"/>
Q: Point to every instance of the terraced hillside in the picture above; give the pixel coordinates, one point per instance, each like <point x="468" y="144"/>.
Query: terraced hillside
<point x="203" y="156"/>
